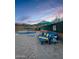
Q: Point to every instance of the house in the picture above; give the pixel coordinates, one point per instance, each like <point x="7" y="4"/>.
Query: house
<point x="56" y="25"/>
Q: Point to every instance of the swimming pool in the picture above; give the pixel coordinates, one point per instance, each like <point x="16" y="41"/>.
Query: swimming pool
<point x="25" y="32"/>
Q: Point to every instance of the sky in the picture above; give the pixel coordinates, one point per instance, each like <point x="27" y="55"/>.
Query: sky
<point x="35" y="11"/>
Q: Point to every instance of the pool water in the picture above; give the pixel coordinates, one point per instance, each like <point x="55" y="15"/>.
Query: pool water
<point x="28" y="33"/>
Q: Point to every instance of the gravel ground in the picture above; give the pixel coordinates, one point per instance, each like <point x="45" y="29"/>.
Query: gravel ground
<point x="28" y="47"/>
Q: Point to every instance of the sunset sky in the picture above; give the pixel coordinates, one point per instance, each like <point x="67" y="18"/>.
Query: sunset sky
<point x="34" y="11"/>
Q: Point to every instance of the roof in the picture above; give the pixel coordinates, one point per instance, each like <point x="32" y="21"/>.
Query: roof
<point x="45" y="23"/>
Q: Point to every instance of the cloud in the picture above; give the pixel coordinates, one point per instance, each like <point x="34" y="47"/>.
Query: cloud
<point x="53" y="13"/>
<point x="24" y="18"/>
<point x="48" y="15"/>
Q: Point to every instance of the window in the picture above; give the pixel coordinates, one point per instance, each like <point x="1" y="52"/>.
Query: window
<point x="54" y="27"/>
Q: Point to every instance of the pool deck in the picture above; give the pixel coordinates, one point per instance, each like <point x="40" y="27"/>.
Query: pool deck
<point x="28" y="47"/>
